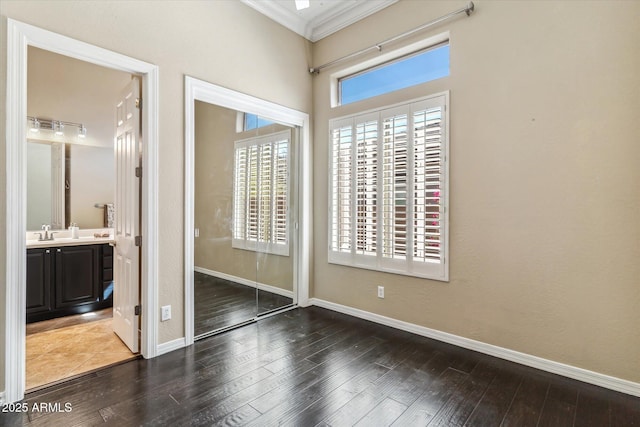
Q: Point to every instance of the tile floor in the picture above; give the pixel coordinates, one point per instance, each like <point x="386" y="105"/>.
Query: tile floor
<point x="67" y="351"/>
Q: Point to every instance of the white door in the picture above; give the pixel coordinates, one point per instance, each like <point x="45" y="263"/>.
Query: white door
<point x="126" y="259"/>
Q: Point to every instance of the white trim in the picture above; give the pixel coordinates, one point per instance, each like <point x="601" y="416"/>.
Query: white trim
<point x="200" y="90"/>
<point x="167" y="347"/>
<point x="336" y="17"/>
<point x="602" y="380"/>
<point x="19" y="37"/>
<point x="246" y="282"/>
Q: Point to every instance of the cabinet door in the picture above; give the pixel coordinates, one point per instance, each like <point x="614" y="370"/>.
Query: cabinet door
<point x="77" y="275"/>
<point x="107" y="273"/>
<point x="38" y="280"/>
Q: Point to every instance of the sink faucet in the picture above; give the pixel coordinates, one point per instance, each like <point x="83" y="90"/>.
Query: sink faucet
<point x="47" y="235"/>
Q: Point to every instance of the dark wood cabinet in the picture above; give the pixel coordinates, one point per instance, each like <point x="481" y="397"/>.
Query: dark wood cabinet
<point x="68" y="280"/>
<point x="77" y="275"/>
<point x="38" y="280"/>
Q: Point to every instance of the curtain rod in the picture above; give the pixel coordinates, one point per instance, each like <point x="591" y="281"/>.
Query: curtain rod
<point x="378" y="46"/>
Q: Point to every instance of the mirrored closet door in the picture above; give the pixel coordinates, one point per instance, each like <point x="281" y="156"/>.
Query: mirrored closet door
<point x="243" y="250"/>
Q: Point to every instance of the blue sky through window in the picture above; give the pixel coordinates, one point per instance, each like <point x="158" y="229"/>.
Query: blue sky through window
<point x="423" y="67"/>
<point x="251" y="121"/>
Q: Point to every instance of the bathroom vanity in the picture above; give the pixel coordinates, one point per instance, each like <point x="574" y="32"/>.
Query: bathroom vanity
<point x="68" y="276"/>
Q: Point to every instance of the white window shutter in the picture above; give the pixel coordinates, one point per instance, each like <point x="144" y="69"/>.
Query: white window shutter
<point x="261" y="194"/>
<point x="341" y="183"/>
<point x="388" y="196"/>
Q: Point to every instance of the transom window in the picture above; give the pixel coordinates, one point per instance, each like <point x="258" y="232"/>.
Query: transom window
<point x="261" y="194"/>
<point x="409" y="70"/>
<point x="388" y="189"/>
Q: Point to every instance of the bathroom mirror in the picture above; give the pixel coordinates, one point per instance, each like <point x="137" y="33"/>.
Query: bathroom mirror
<point x="243" y="246"/>
<point x="68" y="183"/>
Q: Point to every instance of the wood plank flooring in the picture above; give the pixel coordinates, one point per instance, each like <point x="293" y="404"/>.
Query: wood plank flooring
<point x="314" y="367"/>
<point x="220" y="303"/>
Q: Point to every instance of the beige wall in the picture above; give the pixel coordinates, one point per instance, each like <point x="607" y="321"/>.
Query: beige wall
<point x="222" y="42"/>
<point x="215" y="133"/>
<point x="545" y="180"/>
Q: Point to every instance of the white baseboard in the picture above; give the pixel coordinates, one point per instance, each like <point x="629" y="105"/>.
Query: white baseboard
<point x="246" y="282"/>
<point x="602" y="380"/>
<point x="167" y="347"/>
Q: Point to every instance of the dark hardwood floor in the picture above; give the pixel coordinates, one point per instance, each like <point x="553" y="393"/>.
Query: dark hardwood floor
<point x="314" y="367"/>
<point x="221" y="303"/>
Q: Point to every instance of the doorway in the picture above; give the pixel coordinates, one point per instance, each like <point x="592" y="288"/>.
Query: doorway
<point x="71" y="176"/>
<point x="19" y="37"/>
<point x="235" y="249"/>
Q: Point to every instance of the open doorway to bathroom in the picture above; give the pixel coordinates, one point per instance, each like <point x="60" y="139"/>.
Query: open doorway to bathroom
<point x="70" y="192"/>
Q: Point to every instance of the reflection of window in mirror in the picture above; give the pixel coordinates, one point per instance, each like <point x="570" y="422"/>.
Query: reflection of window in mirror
<point x="248" y="121"/>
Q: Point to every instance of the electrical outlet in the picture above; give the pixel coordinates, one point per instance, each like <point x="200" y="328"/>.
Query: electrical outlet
<point x="380" y="291"/>
<point x="166" y="312"/>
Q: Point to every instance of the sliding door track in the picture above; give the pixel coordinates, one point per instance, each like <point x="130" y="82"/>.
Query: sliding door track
<point x="246" y="322"/>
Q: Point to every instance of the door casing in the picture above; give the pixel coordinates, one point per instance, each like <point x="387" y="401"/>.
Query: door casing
<point x="19" y="37"/>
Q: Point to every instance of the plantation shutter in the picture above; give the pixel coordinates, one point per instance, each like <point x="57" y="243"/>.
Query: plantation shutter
<point x="366" y="186"/>
<point x="341" y="170"/>
<point x="280" y="218"/>
<point x="395" y="185"/>
<point x="261" y="194"/>
<point x="388" y="189"/>
<point x="428" y="182"/>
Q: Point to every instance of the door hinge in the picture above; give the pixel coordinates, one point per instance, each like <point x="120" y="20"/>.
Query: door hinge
<point x="139" y="172"/>
<point x="136" y="310"/>
<point x="138" y="103"/>
<point x="138" y="240"/>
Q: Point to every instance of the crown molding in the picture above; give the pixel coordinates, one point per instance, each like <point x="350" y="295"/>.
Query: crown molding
<point x="339" y="16"/>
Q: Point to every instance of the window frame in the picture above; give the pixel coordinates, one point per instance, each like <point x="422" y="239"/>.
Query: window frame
<point x="271" y="246"/>
<point x="435" y="271"/>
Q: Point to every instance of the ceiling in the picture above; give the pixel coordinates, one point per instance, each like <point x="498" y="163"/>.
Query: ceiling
<point x="322" y="18"/>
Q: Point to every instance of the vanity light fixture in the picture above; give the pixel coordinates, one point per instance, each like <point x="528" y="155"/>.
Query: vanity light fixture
<point x="55" y="127"/>
<point x="59" y="129"/>
<point x="35" y="126"/>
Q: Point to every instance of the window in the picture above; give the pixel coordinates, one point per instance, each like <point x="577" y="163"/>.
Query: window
<point x="388" y="189"/>
<point x="261" y="194"/>
<point x="252" y="121"/>
<point x="409" y="70"/>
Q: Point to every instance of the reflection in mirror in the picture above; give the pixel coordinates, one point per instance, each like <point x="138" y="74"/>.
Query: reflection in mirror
<point x="243" y="251"/>
<point x="68" y="183"/>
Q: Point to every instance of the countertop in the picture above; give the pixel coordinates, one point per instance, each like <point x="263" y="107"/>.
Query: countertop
<point x="68" y="241"/>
